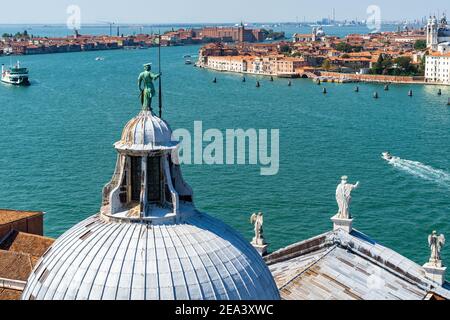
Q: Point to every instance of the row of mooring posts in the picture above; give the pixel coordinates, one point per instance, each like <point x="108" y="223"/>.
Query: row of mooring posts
<point x="410" y="92"/>
<point x="324" y="90"/>
<point x="258" y="84"/>
<point x="375" y="94"/>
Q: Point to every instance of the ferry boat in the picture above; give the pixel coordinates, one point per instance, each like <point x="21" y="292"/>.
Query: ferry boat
<point x="15" y="75"/>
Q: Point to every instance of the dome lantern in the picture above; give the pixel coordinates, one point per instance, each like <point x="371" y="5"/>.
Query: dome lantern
<point x="147" y="184"/>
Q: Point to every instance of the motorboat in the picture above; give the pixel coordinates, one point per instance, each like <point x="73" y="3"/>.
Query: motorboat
<point x="387" y="156"/>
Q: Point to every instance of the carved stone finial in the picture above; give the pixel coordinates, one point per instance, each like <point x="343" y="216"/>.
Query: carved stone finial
<point x="258" y="241"/>
<point x="434" y="268"/>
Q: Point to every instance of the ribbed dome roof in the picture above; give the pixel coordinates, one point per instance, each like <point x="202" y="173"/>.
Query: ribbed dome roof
<point x="146" y="132"/>
<point x="201" y="258"/>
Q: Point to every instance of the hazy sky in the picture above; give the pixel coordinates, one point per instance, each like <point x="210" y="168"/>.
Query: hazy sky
<point x="194" y="11"/>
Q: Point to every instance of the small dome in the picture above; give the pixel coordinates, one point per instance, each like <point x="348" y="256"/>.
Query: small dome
<point x="200" y="259"/>
<point x="146" y="132"/>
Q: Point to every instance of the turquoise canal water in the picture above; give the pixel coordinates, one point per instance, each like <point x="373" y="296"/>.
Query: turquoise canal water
<point x="56" y="148"/>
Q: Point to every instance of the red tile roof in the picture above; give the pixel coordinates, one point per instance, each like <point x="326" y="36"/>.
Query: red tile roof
<point x="8" y="216"/>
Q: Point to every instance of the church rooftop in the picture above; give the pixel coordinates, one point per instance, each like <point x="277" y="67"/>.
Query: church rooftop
<point x="343" y="266"/>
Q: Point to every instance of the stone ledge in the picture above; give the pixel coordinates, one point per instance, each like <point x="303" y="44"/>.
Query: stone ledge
<point x="435" y="273"/>
<point x="262" y="249"/>
<point x="343" y="224"/>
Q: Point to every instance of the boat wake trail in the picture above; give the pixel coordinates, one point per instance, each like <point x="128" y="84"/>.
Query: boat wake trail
<point x="421" y="170"/>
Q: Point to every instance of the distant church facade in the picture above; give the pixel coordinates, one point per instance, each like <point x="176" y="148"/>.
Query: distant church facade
<point x="437" y="32"/>
<point x="437" y="65"/>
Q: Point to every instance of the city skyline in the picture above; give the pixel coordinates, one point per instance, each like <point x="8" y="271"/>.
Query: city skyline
<point x="203" y="11"/>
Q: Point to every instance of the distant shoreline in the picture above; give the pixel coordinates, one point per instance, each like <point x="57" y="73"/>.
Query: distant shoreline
<point x="343" y="78"/>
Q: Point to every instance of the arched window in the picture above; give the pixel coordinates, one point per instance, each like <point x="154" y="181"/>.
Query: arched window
<point x="154" y="180"/>
<point x="136" y="175"/>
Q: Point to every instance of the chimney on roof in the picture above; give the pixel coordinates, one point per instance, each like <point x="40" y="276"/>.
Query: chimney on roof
<point x="434" y="268"/>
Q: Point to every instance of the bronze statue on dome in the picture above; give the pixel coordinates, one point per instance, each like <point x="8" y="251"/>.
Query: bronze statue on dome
<point x="146" y="86"/>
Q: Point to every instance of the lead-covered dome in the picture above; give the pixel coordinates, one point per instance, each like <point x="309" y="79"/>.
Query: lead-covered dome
<point x="146" y="132"/>
<point x="199" y="259"/>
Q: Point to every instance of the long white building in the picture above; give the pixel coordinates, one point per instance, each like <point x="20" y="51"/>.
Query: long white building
<point x="268" y="65"/>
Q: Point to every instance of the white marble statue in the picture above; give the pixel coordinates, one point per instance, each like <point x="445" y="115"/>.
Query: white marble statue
<point x="257" y="220"/>
<point x="343" y="197"/>
<point x="436" y="242"/>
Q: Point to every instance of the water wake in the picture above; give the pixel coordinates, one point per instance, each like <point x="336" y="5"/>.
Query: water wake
<point x="421" y="170"/>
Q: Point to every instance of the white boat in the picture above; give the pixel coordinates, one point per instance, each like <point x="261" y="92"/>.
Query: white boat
<point x="99" y="59"/>
<point x="15" y="75"/>
<point x="387" y="156"/>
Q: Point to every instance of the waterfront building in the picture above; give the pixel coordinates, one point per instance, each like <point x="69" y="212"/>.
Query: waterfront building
<point x="149" y="242"/>
<point x="277" y="65"/>
<point x="437" y="68"/>
<point x="437" y="65"/>
<point x="288" y="66"/>
<point x="231" y="34"/>
<point x="229" y="63"/>
<point x="215" y="50"/>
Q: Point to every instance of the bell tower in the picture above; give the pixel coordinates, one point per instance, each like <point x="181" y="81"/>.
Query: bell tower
<point x="432" y="33"/>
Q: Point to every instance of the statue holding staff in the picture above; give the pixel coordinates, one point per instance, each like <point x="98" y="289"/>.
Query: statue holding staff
<point x="146" y="86"/>
<point x="344" y="198"/>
